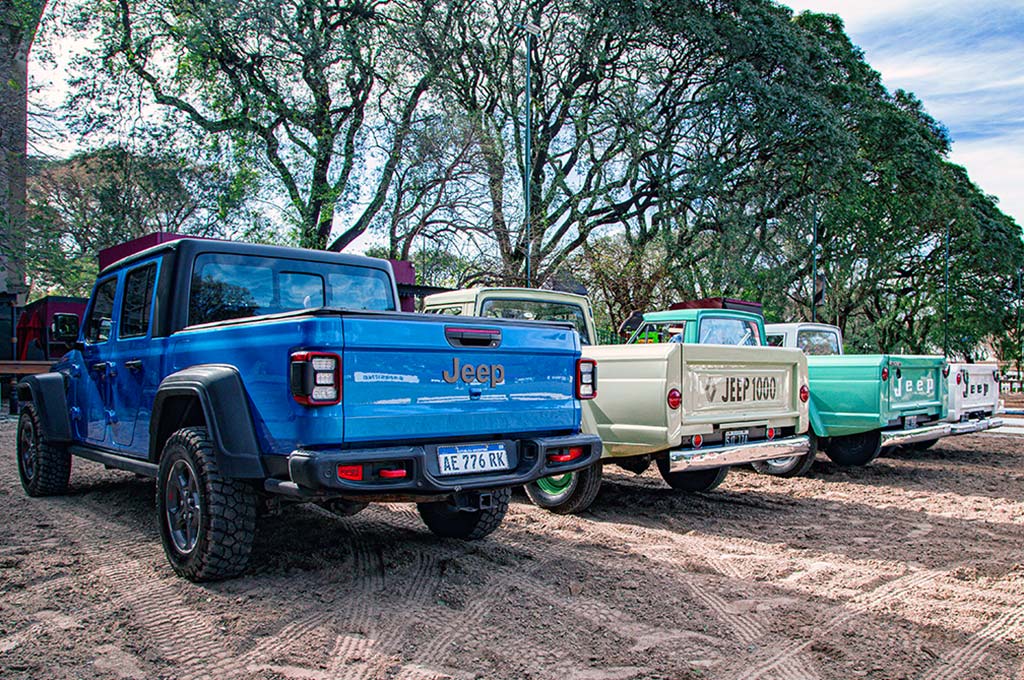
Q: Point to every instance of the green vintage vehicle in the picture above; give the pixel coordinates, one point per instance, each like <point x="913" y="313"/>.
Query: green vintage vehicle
<point x="691" y="409"/>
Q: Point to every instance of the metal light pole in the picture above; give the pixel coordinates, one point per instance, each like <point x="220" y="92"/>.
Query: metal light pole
<point x="532" y="31"/>
<point x="1020" y="347"/>
<point x="814" y="270"/>
<point x="945" y="319"/>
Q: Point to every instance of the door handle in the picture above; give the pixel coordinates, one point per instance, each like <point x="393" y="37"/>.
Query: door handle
<point x="99" y="366"/>
<point x="133" y="364"/>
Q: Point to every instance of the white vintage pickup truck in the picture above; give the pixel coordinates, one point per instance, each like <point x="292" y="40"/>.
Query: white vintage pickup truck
<point x="973" y="389"/>
<point x="692" y="409"/>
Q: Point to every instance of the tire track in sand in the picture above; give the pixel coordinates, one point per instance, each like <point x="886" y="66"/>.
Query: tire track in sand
<point x="1010" y="625"/>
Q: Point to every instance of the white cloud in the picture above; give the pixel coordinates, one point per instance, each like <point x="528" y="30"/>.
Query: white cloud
<point x="997" y="166"/>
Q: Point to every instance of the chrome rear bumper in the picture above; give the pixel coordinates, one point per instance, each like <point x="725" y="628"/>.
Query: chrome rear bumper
<point x="918" y="434"/>
<point x="682" y="460"/>
<point x="976" y="425"/>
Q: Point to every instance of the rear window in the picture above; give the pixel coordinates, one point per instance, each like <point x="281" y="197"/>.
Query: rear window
<point x="536" y="310"/>
<point x="238" y="286"/>
<point x="454" y="310"/>
<point x="726" y="331"/>
<point x="818" y="342"/>
<point x="776" y="340"/>
<point x="656" y="333"/>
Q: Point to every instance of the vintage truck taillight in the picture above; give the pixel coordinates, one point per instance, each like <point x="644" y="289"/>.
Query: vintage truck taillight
<point x="586" y="378"/>
<point x="805" y="393"/>
<point x="315" y="378"/>
<point x="959" y="377"/>
<point x="885" y="373"/>
<point x="674" y="398"/>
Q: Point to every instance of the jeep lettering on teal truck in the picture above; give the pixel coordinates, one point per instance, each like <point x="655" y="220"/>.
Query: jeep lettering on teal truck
<point x="972" y="390"/>
<point x="241" y="375"/>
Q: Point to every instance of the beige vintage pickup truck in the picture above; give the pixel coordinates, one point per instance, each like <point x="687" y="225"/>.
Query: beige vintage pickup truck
<point x="692" y="409"/>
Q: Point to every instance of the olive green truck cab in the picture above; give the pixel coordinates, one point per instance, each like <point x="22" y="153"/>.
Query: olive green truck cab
<point x="692" y="409"/>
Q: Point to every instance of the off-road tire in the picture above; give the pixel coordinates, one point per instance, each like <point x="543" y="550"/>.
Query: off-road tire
<point x="226" y="509"/>
<point x="576" y="494"/>
<point x="445" y="520"/>
<point x="855" y="449"/>
<point x="796" y="466"/>
<point x="695" y="480"/>
<point x="44" y="468"/>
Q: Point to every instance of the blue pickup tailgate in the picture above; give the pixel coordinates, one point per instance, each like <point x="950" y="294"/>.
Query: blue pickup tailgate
<point x="429" y="377"/>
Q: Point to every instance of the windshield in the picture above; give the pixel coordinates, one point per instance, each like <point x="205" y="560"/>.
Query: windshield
<point x="728" y="331"/>
<point x="537" y="310"/>
<point x="237" y="286"/>
<point x="818" y="342"/>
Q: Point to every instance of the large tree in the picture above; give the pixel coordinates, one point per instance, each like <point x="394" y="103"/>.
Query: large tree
<point x="19" y="20"/>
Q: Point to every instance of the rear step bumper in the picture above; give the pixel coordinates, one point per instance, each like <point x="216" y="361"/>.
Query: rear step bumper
<point x="976" y="425"/>
<point x="918" y="434"/>
<point x="684" y="460"/>
<point x="314" y="474"/>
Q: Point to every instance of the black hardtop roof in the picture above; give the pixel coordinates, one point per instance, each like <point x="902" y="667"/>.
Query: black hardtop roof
<point x="196" y="246"/>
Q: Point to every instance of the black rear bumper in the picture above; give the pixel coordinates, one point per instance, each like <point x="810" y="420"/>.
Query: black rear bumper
<point x="315" y="473"/>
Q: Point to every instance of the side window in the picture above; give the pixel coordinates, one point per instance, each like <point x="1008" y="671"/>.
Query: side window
<point x="454" y="310"/>
<point x="776" y="340"/>
<point x="300" y="290"/>
<point x="818" y="342"/>
<point x="138" y="300"/>
<point x="97" y="328"/>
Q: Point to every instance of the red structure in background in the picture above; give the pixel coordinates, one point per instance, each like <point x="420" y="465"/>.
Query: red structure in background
<point x="33" y="331"/>
<point x="720" y="303"/>
<point x="109" y="256"/>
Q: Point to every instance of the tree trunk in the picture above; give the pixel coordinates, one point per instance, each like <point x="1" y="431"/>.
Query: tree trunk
<point x="18" y="23"/>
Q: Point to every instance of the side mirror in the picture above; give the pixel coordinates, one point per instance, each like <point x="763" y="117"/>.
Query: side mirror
<point x="64" y="328"/>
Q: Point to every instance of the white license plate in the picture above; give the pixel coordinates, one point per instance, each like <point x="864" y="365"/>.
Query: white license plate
<point x="736" y="437"/>
<point x="910" y="422"/>
<point x="469" y="458"/>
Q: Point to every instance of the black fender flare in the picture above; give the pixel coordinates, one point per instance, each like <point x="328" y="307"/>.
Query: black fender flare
<point x="222" y="398"/>
<point x="48" y="393"/>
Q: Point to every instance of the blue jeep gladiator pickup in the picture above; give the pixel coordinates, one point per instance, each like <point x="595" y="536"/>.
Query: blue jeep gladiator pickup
<point x="243" y="375"/>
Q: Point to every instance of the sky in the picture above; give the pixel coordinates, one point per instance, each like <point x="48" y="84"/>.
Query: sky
<point x="964" y="59"/>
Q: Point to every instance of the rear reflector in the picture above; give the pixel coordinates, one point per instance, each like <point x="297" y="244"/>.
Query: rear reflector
<point x="353" y="473"/>
<point x="771" y="433"/>
<point x="399" y="473"/>
<point x="566" y="455"/>
<point x="698" y="441"/>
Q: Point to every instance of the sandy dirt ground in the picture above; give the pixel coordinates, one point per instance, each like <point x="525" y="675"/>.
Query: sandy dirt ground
<point x="909" y="568"/>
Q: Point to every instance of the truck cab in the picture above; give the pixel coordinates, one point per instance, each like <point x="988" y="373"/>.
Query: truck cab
<point x="241" y="375"/>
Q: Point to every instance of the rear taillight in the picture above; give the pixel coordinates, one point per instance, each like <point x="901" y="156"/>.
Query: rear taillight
<point x="697" y="441"/>
<point x="885" y="373"/>
<point x="959" y="377"/>
<point x="674" y="399"/>
<point x="586" y="378"/>
<point x="315" y="378"/>
<point x="805" y="393"/>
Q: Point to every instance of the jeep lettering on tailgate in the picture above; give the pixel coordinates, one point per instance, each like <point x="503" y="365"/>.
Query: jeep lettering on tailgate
<point x="481" y="373"/>
<point x="920" y="386"/>
<point x="745" y="388"/>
